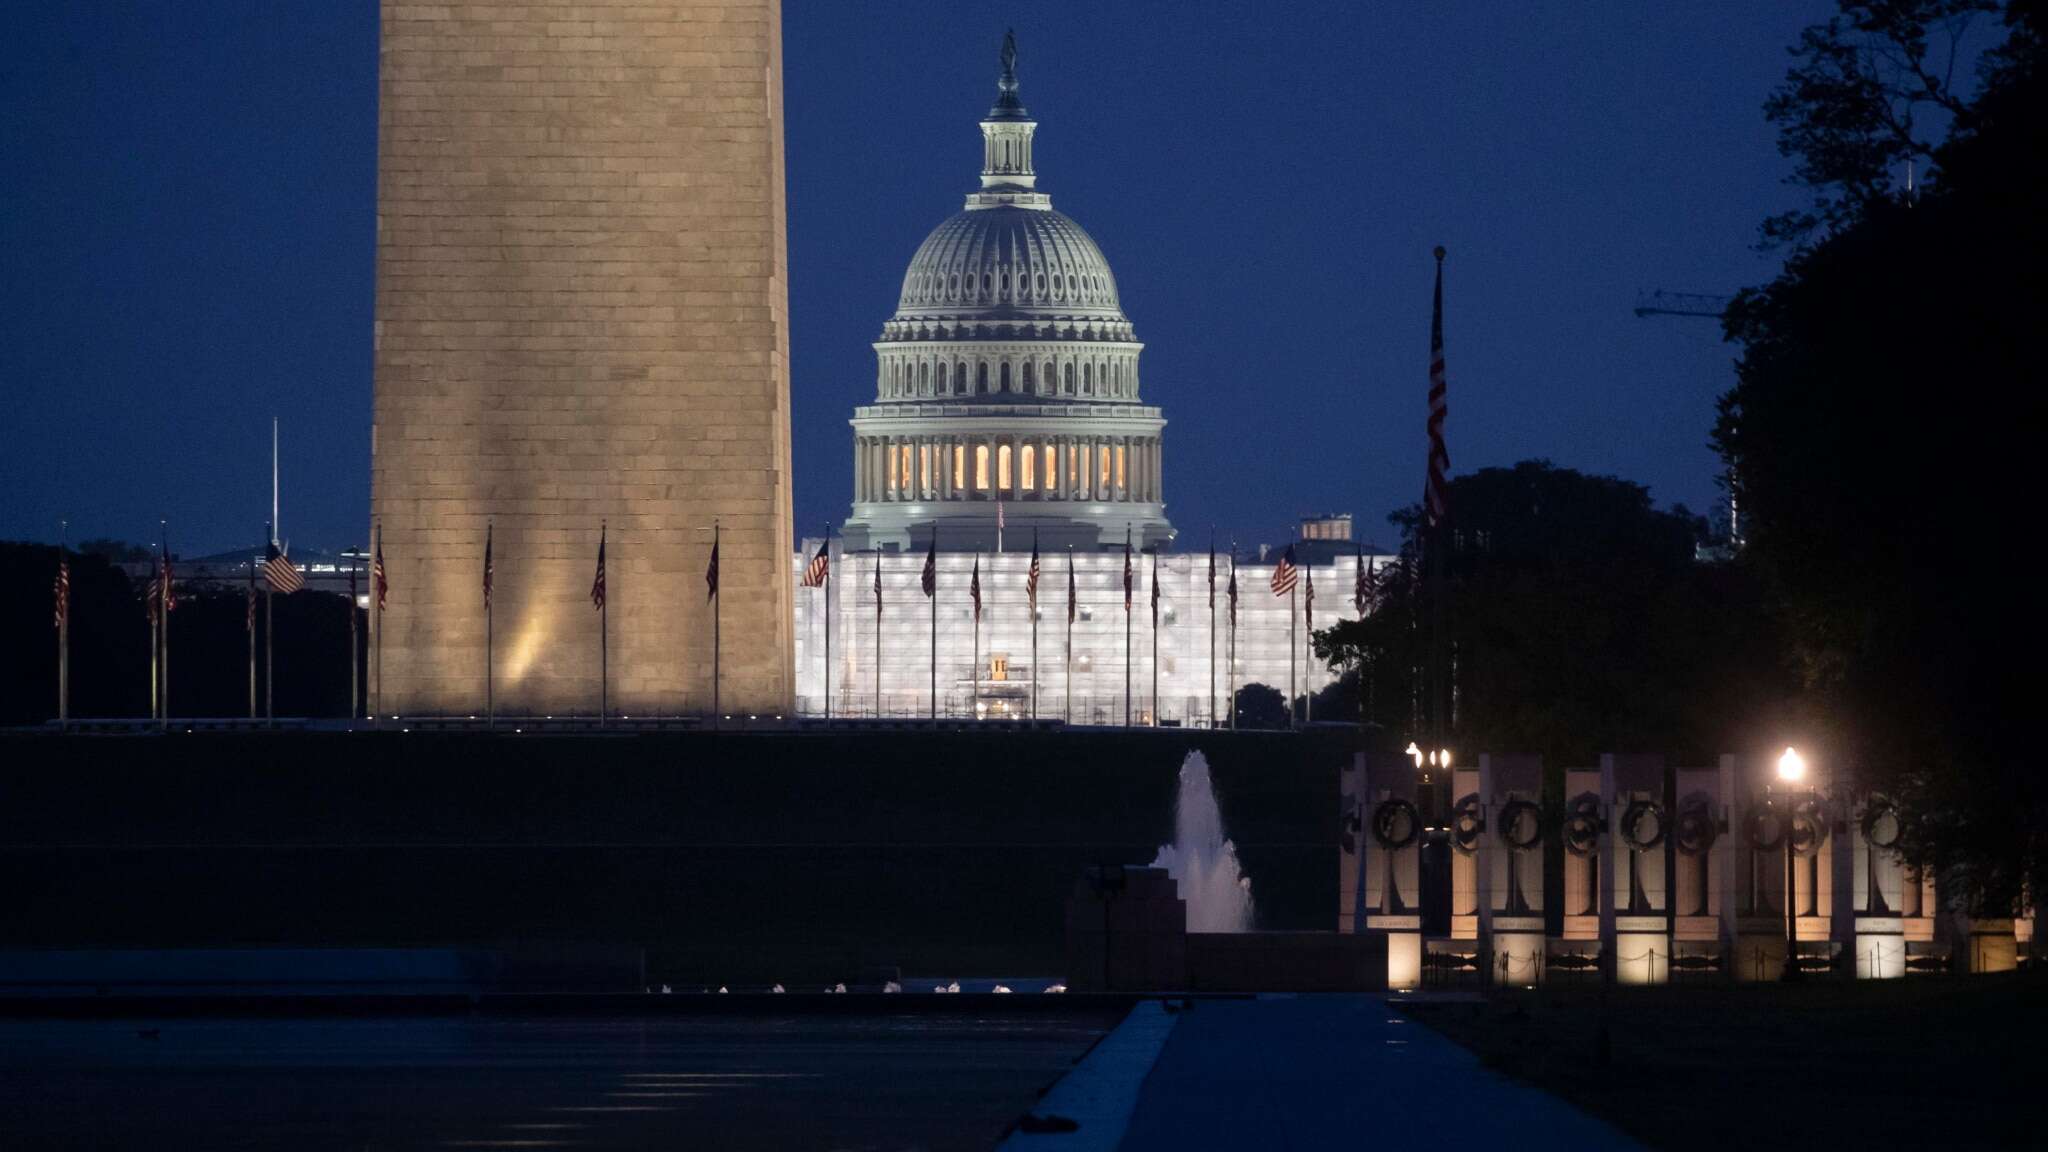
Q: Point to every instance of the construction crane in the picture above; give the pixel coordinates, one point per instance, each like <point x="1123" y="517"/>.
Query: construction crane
<point x="1704" y="306"/>
<point x="1701" y="304"/>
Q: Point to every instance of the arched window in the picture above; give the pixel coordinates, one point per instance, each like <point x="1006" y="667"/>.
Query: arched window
<point x="1052" y="467"/>
<point x="1029" y="383"/>
<point x="942" y="379"/>
<point x="1006" y="375"/>
<point x="1068" y="376"/>
<point x="959" y="377"/>
<point x="1039" y="287"/>
<point x="981" y="378"/>
<point x="1102" y="467"/>
<point x="1003" y="467"/>
<point x="1087" y="379"/>
<point x="981" y="467"/>
<point x="924" y="376"/>
<point x="1028" y="469"/>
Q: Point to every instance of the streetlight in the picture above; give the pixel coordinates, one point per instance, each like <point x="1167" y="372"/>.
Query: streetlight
<point x="1791" y="770"/>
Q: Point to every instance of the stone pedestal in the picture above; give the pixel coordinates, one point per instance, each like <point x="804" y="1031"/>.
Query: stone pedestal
<point x="1699" y="863"/>
<point x="1508" y="864"/>
<point x="1635" y="893"/>
<point x="1386" y="889"/>
<point x="1576" y="950"/>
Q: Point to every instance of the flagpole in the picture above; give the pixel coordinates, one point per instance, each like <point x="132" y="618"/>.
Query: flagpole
<point x="354" y="698"/>
<point x="250" y="619"/>
<point x="377" y="590"/>
<point x="63" y="627"/>
<point x="717" y="623"/>
<point x="974" y="651"/>
<point x="827" y="594"/>
<point x="155" y="612"/>
<point x="878" y="633"/>
<point x="1033" y="609"/>
<point x="1291" y="594"/>
<point x="490" y="664"/>
<point x="269" y="650"/>
<point x="1068" y="678"/>
<point x="164" y="621"/>
<point x="1212" y="625"/>
<point x="1232" y="678"/>
<point x="934" y="598"/>
<point x="1308" y="696"/>
<point x="1127" y="625"/>
<point x="1155" y="638"/>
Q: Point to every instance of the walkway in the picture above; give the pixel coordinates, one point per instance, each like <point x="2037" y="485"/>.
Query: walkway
<point x="1321" y="1072"/>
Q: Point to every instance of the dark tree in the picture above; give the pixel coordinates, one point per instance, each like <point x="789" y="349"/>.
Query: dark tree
<point x="1259" y="706"/>
<point x="1581" y="621"/>
<point x="1879" y="435"/>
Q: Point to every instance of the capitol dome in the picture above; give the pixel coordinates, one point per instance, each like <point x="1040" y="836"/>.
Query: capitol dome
<point x="1007" y="388"/>
<point x="1009" y="263"/>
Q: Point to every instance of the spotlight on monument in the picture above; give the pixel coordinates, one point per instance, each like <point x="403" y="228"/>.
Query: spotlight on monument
<point x="1791" y="766"/>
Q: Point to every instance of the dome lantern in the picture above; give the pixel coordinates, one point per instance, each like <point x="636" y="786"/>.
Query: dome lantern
<point x="1007" y="177"/>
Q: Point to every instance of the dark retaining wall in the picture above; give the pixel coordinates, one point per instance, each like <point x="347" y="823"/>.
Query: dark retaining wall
<point x="729" y="856"/>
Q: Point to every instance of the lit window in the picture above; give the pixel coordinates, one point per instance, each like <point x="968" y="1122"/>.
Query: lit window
<point x="959" y="466"/>
<point x="1052" y="467"/>
<point x="1119" y="465"/>
<point x="1030" y="469"/>
<point x="924" y="467"/>
<point x="981" y="467"/>
<point x="1102" y="466"/>
<point x="999" y="666"/>
<point x="1003" y="467"/>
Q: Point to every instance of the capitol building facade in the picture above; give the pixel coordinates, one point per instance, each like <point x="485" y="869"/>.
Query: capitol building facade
<point x="1007" y="413"/>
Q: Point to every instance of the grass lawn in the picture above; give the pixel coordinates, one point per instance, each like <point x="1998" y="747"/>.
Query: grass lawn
<point x="1925" y="1062"/>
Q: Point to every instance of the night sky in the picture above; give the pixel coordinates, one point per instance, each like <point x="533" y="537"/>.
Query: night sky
<point x="188" y="213"/>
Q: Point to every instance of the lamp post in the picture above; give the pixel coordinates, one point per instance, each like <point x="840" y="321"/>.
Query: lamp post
<point x="1791" y="770"/>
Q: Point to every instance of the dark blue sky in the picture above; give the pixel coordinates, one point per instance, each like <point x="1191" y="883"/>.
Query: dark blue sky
<point x="187" y="228"/>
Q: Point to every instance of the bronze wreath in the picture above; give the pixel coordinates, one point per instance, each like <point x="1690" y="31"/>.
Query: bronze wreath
<point x="1396" y="824"/>
<point x="1696" y="829"/>
<point x="1880" y="815"/>
<point x="1468" y="822"/>
<point x="1511" y="818"/>
<point x="1764" y="828"/>
<point x="1634" y="819"/>
<point x="1582" y="825"/>
<point x="1809" y="826"/>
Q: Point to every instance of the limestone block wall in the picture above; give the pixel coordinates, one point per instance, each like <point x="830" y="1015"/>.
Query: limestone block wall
<point x="581" y="317"/>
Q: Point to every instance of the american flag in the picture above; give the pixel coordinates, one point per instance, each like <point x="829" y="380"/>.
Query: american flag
<point x="1073" y="597"/>
<point x="711" y="571"/>
<point x="1361" y="596"/>
<point x="62" y="590"/>
<point x="283" y="576"/>
<point x="1231" y="592"/>
<point x="1031" y="577"/>
<point x="169" y="590"/>
<point x="150" y="602"/>
<point x="1130" y="574"/>
<point x="1309" y="599"/>
<point x="1155" y="589"/>
<point x="878" y="583"/>
<point x="378" y="584"/>
<point x="1285" y="574"/>
<point x="487" y="566"/>
<point x="1436" y="496"/>
<point x="974" y="589"/>
<point x="820" y="568"/>
<point x="597" y="585"/>
<point x="930" y="579"/>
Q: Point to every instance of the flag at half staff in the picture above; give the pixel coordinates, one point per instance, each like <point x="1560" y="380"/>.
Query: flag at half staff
<point x="820" y="568"/>
<point x="1031" y="577"/>
<point x="283" y="576"/>
<point x="1285" y="574"/>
